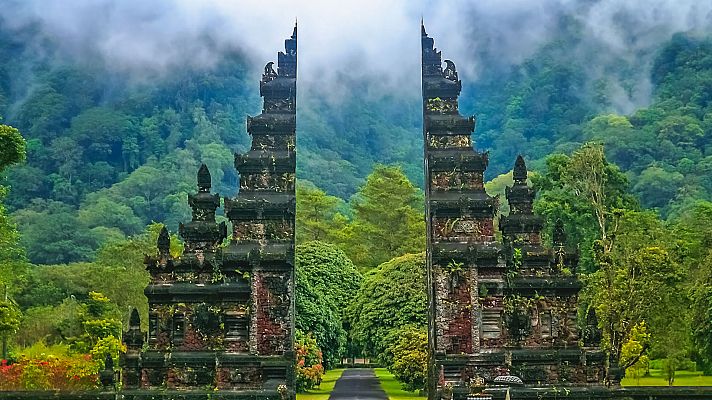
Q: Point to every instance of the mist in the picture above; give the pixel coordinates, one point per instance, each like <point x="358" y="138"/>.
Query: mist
<point x="374" y="41"/>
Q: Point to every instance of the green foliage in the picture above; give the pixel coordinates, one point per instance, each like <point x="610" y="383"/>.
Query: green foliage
<point x="9" y="318"/>
<point x="97" y="320"/>
<point x="309" y="361"/>
<point x="410" y="358"/>
<point x="318" y="216"/>
<point x="583" y="191"/>
<point x="636" y="281"/>
<point x="67" y="240"/>
<point x="13" y="262"/>
<point x="693" y="230"/>
<point x="378" y="310"/>
<point x="12" y="146"/>
<point x="388" y="218"/>
<point x="633" y="352"/>
<point x="326" y="282"/>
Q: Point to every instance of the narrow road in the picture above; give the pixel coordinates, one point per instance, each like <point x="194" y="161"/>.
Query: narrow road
<point x="358" y="384"/>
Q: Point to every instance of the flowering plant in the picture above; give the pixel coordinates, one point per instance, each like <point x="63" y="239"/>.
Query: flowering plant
<point x="310" y="369"/>
<point x="49" y="372"/>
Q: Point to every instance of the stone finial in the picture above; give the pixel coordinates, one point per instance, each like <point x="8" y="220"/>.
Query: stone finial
<point x="164" y="242"/>
<point x="591" y="334"/>
<point x="204" y="179"/>
<point x="133" y="338"/>
<point x="422" y="28"/>
<point x="107" y="375"/>
<point x="559" y="235"/>
<point x="520" y="171"/>
<point x="135" y="319"/>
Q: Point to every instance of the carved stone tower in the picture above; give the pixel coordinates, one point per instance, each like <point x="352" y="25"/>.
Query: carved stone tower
<point x="465" y="277"/>
<point x="498" y="312"/>
<point x="222" y="317"/>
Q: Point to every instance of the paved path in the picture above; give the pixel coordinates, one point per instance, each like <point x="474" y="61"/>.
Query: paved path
<point x="358" y="383"/>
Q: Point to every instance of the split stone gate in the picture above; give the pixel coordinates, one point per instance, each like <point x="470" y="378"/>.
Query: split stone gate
<point x="502" y="314"/>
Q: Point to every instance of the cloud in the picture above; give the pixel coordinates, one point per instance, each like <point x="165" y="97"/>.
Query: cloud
<point x="369" y="40"/>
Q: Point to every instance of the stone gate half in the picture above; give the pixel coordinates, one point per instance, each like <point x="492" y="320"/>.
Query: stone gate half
<point x="499" y="311"/>
<point x="221" y="318"/>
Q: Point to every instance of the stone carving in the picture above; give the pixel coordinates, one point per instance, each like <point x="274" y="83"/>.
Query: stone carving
<point x="269" y="74"/>
<point x="450" y="72"/>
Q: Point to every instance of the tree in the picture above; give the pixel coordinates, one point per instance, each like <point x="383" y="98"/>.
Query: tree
<point x="12" y="255"/>
<point x="326" y="282"/>
<point x="100" y="324"/>
<point x="9" y="322"/>
<point x="657" y="186"/>
<point x="103" y="132"/>
<point x="693" y="230"/>
<point x="318" y="216"/>
<point x="12" y="146"/>
<point x="636" y="282"/>
<point x="52" y="233"/>
<point x="589" y="176"/>
<point x="632" y="350"/>
<point x="391" y="297"/>
<point x="387" y="220"/>
<point x="105" y="212"/>
<point x="582" y="191"/>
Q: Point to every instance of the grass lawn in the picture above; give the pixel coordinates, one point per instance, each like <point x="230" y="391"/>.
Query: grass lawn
<point x="324" y="390"/>
<point x="682" y="378"/>
<point x="393" y="388"/>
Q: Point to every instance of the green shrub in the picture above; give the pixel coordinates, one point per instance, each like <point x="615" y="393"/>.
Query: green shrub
<point x="392" y="297"/>
<point x="410" y="358"/>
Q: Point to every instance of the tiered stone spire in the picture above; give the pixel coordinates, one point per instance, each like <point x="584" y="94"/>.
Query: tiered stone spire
<point x="462" y="257"/>
<point x="202" y="234"/>
<point x="263" y="212"/>
<point x="221" y="318"/>
<point x="521" y="227"/>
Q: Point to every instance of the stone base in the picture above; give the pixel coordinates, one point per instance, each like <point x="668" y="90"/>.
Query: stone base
<point x="146" y="395"/>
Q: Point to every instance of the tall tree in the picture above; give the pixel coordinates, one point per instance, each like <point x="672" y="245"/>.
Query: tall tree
<point x="318" y="216"/>
<point x="388" y="218"/>
<point x="12" y="256"/>
<point x="392" y="297"/>
<point x="636" y="282"/>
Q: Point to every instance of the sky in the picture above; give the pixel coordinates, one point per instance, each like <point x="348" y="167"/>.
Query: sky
<point x="370" y="39"/>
